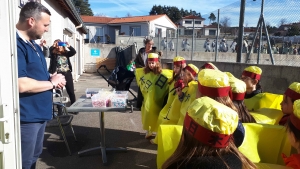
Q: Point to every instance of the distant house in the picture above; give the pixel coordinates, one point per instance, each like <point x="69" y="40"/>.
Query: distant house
<point x="210" y="30"/>
<point x="188" y="22"/>
<point x="102" y="29"/>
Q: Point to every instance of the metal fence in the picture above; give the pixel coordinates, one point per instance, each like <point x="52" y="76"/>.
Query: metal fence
<point x="281" y="19"/>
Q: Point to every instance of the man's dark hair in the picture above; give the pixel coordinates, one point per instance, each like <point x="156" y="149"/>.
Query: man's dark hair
<point x="32" y="9"/>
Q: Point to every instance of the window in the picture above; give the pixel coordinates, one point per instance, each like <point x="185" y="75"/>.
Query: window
<point x="158" y="32"/>
<point x="188" y="22"/>
<point x="87" y="36"/>
<point x="135" y="31"/>
<point x="197" y="22"/>
<point x="99" y="35"/>
<point x="212" y="32"/>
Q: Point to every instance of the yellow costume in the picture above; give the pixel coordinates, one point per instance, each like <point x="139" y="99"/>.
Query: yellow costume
<point x="205" y="118"/>
<point x="189" y="93"/>
<point x="154" y="89"/>
<point x="169" y="114"/>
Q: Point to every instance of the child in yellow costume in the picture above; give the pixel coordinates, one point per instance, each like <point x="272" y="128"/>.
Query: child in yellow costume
<point x="293" y="129"/>
<point x="215" y="84"/>
<point x="238" y="89"/>
<point x="166" y="116"/>
<point x="188" y="94"/>
<point x="208" y="65"/>
<point x="291" y="94"/>
<point x="153" y="82"/>
<point x="206" y="140"/>
<point x="251" y="76"/>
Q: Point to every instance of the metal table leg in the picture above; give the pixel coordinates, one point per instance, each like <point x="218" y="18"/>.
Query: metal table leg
<point x="102" y="142"/>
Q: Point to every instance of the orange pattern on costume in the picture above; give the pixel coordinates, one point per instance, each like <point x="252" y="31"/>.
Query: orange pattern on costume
<point x="292" y="161"/>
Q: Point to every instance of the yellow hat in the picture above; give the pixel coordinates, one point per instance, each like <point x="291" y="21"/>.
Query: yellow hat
<point x="252" y="71"/>
<point x="193" y="69"/>
<point x="293" y="91"/>
<point x="213" y="83"/>
<point x="209" y="65"/>
<point x="211" y="122"/>
<point x="295" y="117"/>
<point x="179" y="61"/>
<point x="153" y="57"/>
<point x="238" y="87"/>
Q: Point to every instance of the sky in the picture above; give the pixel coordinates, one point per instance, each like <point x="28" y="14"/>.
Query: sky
<point x="274" y="10"/>
<point x="121" y="8"/>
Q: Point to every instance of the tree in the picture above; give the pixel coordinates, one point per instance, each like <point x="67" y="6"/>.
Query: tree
<point x="172" y="12"/>
<point x="83" y="7"/>
<point x="282" y="21"/>
<point x="225" y="23"/>
<point x="294" y="30"/>
<point x="212" y="17"/>
<point x="128" y="15"/>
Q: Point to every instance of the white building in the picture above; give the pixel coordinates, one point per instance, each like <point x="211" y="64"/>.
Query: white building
<point x="210" y="30"/>
<point x="67" y="25"/>
<point x="189" y="22"/>
<point x="152" y="25"/>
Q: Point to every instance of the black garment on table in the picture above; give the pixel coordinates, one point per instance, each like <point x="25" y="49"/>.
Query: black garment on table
<point x="123" y="55"/>
<point x="212" y="162"/>
<point x="255" y="92"/>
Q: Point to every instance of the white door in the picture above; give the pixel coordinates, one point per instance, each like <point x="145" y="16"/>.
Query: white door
<point x="10" y="151"/>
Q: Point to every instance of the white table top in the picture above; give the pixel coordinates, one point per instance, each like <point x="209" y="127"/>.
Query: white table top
<point x="85" y="105"/>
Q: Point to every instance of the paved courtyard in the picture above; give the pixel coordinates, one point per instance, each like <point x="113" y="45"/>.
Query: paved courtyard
<point x="123" y="129"/>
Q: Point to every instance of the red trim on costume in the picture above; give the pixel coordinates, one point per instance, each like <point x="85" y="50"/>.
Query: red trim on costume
<point x="153" y="59"/>
<point x="251" y="74"/>
<point x="205" y="135"/>
<point x="292" y="94"/>
<point x="214" y="92"/>
<point x="238" y="96"/>
<point x="191" y="70"/>
<point x="295" y="121"/>
<point x="179" y="63"/>
<point x="208" y="66"/>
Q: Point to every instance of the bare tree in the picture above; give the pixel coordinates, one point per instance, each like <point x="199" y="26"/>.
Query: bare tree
<point x="128" y="15"/>
<point x="282" y="21"/>
<point x="225" y="23"/>
<point x="246" y="24"/>
<point x="99" y="14"/>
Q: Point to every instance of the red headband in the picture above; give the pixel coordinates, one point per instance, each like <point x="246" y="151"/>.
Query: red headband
<point x="191" y="70"/>
<point x="215" y="92"/>
<point x="295" y="121"/>
<point x="178" y="63"/>
<point x="252" y="75"/>
<point x="153" y="59"/>
<point x="292" y="94"/>
<point x="238" y="96"/>
<point x="208" y="66"/>
<point x="205" y="135"/>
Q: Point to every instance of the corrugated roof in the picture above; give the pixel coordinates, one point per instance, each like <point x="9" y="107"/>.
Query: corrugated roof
<point x="192" y="17"/>
<point x="136" y="19"/>
<point x="96" y="19"/>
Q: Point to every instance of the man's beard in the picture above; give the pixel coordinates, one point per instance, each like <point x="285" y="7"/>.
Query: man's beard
<point x="33" y="35"/>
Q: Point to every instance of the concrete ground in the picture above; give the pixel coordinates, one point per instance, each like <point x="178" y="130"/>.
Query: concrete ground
<point x="123" y="129"/>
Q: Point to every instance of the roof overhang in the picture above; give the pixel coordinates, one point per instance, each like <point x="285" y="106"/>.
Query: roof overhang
<point x="73" y="15"/>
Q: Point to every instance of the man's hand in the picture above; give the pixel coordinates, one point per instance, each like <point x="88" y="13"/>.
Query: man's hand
<point x="58" y="80"/>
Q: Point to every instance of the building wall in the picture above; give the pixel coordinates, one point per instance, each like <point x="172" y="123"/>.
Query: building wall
<point x="191" y="25"/>
<point x="93" y="32"/>
<point x="57" y="30"/>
